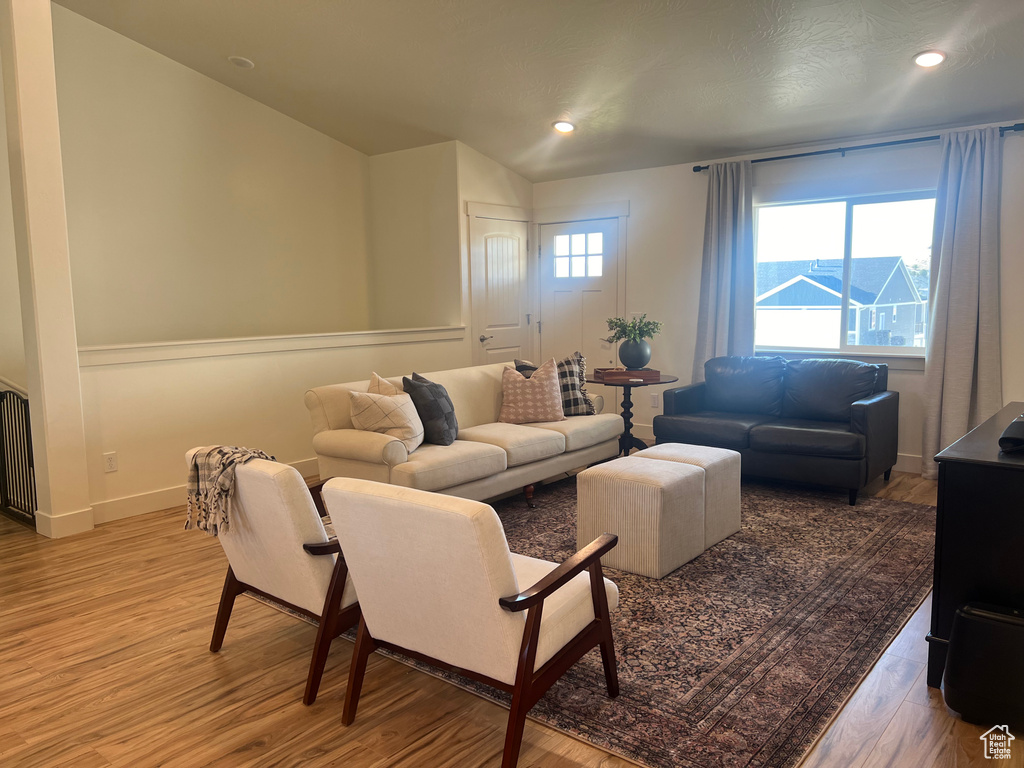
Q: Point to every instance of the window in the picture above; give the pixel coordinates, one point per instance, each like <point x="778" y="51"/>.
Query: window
<point x="844" y="275"/>
<point x="579" y="255"/>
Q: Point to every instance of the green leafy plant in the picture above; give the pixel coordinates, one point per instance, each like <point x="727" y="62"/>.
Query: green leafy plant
<point x="637" y="329"/>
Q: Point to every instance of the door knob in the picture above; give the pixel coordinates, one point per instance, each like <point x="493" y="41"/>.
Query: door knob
<point x="484" y="338"/>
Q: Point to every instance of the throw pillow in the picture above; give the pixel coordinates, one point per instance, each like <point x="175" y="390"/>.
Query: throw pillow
<point x="572" y="380"/>
<point x="392" y="414"/>
<point x="379" y="386"/>
<point x="435" y="409"/>
<point x="526" y="400"/>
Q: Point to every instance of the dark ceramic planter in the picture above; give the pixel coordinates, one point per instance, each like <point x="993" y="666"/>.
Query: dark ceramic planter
<point x="635" y="354"/>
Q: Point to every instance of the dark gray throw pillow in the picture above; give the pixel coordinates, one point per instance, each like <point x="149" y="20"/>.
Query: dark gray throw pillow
<point x="435" y="409"/>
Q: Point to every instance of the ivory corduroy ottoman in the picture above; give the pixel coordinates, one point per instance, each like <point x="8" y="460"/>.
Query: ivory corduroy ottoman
<point x="721" y="484"/>
<point x="656" y="508"/>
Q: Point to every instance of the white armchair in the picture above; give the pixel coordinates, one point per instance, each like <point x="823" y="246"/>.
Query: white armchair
<point x="438" y="583"/>
<point x="277" y="548"/>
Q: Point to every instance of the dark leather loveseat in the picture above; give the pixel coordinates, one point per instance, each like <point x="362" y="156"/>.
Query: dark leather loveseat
<point x="825" y="422"/>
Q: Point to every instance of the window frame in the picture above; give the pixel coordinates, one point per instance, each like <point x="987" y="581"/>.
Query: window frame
<point x="844" y="349"/>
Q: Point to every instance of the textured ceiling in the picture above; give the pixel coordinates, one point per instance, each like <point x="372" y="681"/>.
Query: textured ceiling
<point x="648" y="82"/>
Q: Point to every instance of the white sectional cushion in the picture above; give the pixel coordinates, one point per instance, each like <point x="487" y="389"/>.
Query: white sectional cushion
<point x="568" y="610"/>
<point x="434" y="467"/>
<point x="521" y="445"/>
<point x="585" y="431"/>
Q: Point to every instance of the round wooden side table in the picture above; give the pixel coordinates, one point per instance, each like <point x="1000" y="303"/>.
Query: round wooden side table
<point x="627" y="442"/>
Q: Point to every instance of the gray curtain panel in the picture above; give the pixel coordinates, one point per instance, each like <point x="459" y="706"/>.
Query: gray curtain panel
<point x="725" y="324"/>
<point x="963" y="370"/>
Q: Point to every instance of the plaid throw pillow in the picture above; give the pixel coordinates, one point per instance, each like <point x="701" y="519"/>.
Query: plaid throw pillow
<point x="572" y="380"/>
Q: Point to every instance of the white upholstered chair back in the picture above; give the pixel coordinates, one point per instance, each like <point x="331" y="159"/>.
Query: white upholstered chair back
<point x="272" y="517"/>
<point x="430" y="570"/>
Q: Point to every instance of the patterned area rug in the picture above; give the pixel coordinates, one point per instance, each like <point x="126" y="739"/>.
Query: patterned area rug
<point x="741" y="656"/>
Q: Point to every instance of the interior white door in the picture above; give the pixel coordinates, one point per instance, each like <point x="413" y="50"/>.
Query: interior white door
<point x="499" y="269"/>
<point x="578" y="292"/>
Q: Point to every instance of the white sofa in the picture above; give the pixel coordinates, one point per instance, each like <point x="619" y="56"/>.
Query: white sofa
<point x="488" y="458"/>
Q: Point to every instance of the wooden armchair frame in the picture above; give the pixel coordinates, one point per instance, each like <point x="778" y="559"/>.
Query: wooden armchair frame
<point x="529" y="685"/>
<point x="332" y="621"/>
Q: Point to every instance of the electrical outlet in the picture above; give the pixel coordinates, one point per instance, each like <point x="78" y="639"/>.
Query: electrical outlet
<point x="655" y="400"/>
<point x="110" y="462"/>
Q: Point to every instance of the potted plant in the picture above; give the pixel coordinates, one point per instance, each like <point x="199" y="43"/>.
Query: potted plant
<point x="634" y="352"/>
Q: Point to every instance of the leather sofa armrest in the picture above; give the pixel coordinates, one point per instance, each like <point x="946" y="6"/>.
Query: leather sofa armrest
<point x="688" y="399"/>
<point x="877" y="418"/>
<point x="359" y="445"/>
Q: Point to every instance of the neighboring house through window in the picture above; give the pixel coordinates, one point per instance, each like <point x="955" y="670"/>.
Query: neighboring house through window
<point x="841" y="274"/>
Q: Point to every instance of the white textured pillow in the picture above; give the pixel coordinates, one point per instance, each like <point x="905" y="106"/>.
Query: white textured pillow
<point x="391" y="414"/>
<point x="526" y="400"/>
<point x="379" y="386"/>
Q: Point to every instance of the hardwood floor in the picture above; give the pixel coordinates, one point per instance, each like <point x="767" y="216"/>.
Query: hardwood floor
<point x="104" y="661"/>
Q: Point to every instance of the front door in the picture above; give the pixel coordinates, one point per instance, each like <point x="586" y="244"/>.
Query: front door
<point x="579" y="286"/>
<point x="501" y="313"/>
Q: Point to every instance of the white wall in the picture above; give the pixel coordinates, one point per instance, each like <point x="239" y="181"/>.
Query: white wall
<point x="665" y="236"/>
<point x="415" y="274"/>
<point x="150" y="413"/>
<point x="12" y="344"/>
<point x="195" y="212"/>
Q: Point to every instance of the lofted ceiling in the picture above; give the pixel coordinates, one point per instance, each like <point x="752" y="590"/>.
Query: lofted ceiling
<point x="648" y="82"/>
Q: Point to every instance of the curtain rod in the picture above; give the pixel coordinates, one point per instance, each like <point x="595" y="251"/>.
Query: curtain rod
<point x="1003" y="130"/>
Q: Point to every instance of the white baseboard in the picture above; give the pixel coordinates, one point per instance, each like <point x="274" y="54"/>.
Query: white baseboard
<point x="67" y="524"/>
<point x="908" y="462"/>
<point x="154" y="501"/>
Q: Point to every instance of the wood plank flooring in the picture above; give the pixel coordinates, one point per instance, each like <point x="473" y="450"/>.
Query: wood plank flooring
<point x="104" y="661"/>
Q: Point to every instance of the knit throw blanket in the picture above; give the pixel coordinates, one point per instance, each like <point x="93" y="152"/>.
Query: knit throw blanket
<point x="211" y="484"/>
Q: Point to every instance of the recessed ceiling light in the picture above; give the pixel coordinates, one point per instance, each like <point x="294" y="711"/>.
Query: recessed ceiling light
<point x="563" y="126"/>
<point x="929" y="58"/>
<point x="241" y="62"/>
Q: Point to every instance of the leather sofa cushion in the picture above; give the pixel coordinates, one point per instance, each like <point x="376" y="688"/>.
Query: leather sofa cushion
<point x="721" y="430"/>
<point x="744" y="384"/>
<point x="825" y="389"/>
<point x="522" y="445"/>
<point x="433" y="467"/>
<point x="807" y="438"/>
<point x="585" y="431"/>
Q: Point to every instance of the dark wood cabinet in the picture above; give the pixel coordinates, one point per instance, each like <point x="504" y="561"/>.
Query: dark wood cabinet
<point x="979" y="530"/>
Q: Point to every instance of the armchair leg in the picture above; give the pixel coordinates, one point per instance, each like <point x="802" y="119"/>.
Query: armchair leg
<point x="601" y="613"/>
<point x="522" y="698"/>
<point x="516" y="727"/>
<point x="887" y="475"/>
<point x="360" y="654"/>
<point x="326" y="632"/>
<point x="232" y="589"/>
<point x="853" y="497"/>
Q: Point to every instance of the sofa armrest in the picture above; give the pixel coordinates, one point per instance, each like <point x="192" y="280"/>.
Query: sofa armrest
<point x="877" y="418"/>
<point x="688" y="399"/>
<point x="598" y="401"/>
<point x="359" y="445"/>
